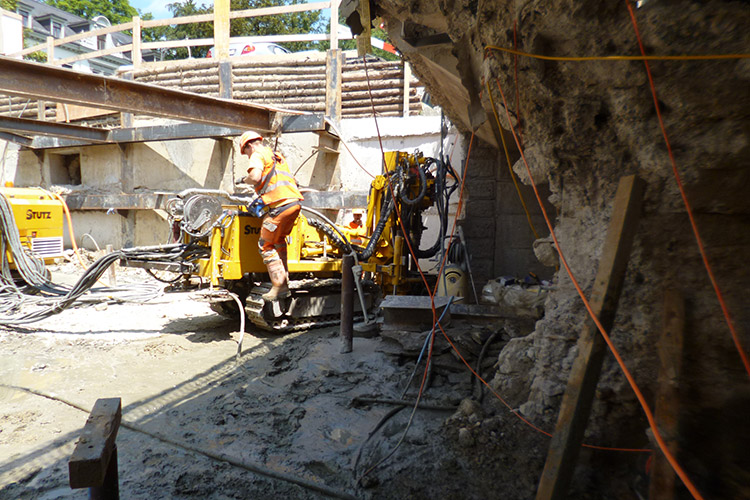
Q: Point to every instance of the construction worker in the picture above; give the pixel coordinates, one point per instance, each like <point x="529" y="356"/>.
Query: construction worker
<point x="356" y="227"/>
<point x="269" y="174"/>
<point x="356" y="222"/>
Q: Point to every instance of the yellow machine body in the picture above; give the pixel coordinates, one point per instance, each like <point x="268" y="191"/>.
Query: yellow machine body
<point x="39" y="218"/>
<point x="234" y="244"/>
<point x="221" y="246"/>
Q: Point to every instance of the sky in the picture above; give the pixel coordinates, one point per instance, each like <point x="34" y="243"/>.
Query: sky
<point x="157" y="7"/>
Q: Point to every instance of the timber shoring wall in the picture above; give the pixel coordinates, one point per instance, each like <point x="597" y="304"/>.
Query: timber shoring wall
<point x="295" y="83"/>
<point x="287" y="82"/>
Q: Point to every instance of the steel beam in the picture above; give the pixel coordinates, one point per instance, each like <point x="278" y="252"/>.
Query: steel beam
<point x="44" y="82"/>
<point x="172" y="132"/>
<point x="18" y="139"/>
<point x="39" y="127"/>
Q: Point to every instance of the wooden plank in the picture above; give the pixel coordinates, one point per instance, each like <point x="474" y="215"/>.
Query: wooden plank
<point x="88" y="464"/>
<point x="669" y="348"/>
<point x="584" y="375"/>
<point x="77" y="37"/>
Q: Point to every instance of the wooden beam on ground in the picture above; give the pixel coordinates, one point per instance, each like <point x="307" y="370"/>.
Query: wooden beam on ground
<point x="669" y="348"/>
<point x="584" y="375"/>
<point x="44" y="82"/>
<point x="88" y="464"/>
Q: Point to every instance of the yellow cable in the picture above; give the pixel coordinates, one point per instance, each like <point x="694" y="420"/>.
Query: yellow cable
<point x="510" y="167"/>
<point x="707" y="57"/>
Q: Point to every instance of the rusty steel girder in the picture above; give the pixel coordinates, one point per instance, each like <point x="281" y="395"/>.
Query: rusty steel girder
<point x="49" y="83"/>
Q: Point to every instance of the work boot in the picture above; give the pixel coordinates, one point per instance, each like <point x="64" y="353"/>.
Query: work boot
<point x="280" y="288"/>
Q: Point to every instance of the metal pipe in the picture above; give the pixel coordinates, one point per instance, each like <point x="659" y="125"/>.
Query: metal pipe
<point x="347" y="303"/>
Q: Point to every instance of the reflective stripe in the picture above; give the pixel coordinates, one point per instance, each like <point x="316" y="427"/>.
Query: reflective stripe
<point x="278" y="183"/>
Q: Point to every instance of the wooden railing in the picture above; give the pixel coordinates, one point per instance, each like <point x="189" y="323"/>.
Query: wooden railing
<point x="220" y="19"/>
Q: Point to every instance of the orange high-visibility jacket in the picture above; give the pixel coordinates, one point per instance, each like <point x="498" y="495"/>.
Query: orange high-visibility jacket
<point x="277" y="182"/>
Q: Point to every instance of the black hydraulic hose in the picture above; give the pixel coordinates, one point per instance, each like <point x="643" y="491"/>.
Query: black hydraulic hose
<point x="422" y="187"/>
<point x="377" y="232"/>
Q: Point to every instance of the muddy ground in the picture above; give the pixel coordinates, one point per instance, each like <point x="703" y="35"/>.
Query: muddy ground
<point x="282" y="422"/>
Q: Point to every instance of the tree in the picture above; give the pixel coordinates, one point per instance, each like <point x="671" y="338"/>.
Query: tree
<point x="8" y="5"/>
<point x="117" y="11"/>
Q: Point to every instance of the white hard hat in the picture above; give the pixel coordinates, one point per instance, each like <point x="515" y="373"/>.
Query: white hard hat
<point x="248" y="136"/>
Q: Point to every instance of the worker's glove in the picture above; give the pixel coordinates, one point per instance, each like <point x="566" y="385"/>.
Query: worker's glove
<point x="240" y="180"/>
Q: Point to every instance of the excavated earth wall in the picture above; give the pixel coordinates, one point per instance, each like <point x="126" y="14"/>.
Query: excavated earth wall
<point x="585" y="125"/>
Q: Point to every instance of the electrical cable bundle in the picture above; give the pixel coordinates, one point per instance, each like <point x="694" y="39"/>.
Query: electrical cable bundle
<point x="133" y="293"/>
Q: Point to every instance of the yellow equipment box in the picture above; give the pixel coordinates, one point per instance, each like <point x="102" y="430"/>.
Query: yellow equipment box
<point x="39" y="218"/>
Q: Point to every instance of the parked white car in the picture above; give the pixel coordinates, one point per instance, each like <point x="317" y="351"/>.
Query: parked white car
<point x="246" y="47"/>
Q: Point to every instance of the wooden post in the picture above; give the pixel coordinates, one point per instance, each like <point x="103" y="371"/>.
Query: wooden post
<point x="363" y="39"/>
<point x="584" y="375"/>
<point x="221" y="29"/>
<point x="334" y="24"/>
<point x="225" y="79"/>
<point x="667" y="396"/>
<point x="94" y="461"/>
<point x="407" y="90"/>
<point x="136" y="52"/>
<point x="112" y="272"/>
<point x="334" y="65"/>
<point x="50" y="50"/>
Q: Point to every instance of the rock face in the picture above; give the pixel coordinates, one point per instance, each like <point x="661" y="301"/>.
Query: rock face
<point x="583" y="126"/>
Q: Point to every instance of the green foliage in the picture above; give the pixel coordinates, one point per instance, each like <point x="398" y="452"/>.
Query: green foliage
<point x="117" y="11"/>
<point x="8" y="5"/>
<point x="299" y="22"/>
<point x="39" y="55"/>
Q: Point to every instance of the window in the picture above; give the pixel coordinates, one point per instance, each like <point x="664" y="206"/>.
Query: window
<point x="25" y="18"/>
<point x="101" y="42"/>
<point x="56" y="29"/>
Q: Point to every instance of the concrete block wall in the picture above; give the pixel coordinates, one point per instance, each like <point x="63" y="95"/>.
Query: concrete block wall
<point x="499" y="237"/>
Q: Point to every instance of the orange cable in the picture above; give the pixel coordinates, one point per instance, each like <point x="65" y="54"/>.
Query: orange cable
<point x="510" y="167"/>
<point x="416" y="261"/>
<point x="70" y="226"/>
<point x="649" y="415"/>
<point x="693" y="224"/>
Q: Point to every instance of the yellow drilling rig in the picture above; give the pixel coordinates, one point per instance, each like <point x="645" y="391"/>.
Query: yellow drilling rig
<point x="216" y="239"/>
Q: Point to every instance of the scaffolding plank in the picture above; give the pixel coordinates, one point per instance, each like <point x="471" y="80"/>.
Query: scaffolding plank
<point x="584" y="375"/>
